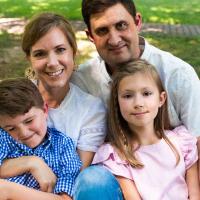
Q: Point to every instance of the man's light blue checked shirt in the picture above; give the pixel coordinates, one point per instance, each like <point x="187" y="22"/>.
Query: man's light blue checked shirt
<point x="58" y="152"/>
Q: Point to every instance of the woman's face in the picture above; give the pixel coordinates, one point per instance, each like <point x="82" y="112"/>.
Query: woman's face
<point x="52" y="59"/>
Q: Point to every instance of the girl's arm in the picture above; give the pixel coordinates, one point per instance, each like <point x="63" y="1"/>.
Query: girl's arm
<point x="14" y="191"/>
<point x="129" y="189"/>
<point x="193" y="182"/>
<point x="30" y="164"/>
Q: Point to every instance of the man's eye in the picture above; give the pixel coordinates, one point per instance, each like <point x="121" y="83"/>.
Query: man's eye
<point x="101" y="31"/>
<point x="121" y="26"/>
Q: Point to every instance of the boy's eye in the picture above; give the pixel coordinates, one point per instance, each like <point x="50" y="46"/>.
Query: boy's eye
<point x="10" y="129"/>
<point x="121" y="26"/>
<point x="28" y="121"/>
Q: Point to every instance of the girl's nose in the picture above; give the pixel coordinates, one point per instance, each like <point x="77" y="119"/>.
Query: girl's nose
<point x="138" y="103"/>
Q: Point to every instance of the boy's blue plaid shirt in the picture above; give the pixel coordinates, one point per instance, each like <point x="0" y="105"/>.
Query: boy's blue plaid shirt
<point x="58" y="152"/>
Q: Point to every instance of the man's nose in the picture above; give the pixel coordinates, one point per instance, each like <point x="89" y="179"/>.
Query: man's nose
<point x="114" y="38"/>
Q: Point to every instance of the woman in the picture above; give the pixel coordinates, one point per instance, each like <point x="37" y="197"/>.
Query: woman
<point x="50" y="45"/>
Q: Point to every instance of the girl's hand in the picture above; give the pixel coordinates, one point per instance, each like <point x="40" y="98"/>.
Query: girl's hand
<point x="30" y="164"/>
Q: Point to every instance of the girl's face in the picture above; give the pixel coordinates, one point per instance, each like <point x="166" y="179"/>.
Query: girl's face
<point x="139" y="100"/>
<point x="52" y="59"/>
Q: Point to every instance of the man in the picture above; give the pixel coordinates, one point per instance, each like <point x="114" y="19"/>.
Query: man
<point x="114" y="26"/>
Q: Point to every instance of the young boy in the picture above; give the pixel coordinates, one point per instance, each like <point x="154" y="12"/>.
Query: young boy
<point x="24" y="132"/>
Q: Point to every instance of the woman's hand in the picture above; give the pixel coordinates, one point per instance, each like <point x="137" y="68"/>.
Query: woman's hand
<point x="30" y="164"/>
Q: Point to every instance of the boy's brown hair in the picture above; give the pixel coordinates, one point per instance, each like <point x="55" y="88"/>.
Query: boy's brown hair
<point x="18" y="96"/>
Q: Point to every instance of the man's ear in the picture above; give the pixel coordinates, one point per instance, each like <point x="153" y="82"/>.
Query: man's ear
<point x="138" y="21"/>
<point x="89" y="35"/>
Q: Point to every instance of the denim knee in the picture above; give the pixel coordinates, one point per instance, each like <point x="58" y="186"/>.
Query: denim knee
<point x="96" y="182"/>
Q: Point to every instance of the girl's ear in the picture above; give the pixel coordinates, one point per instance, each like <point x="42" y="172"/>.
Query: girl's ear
<point x="163" y="97"/>
<point x="89" y="35"/>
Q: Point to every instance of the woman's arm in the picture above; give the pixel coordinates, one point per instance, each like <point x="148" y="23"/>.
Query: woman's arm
<point x="30" y="164"/>
<point x="129" y="189"/>
<point x="86" y="158"/>
<point x="14" y="191"/>
<point x="193" y="182"/>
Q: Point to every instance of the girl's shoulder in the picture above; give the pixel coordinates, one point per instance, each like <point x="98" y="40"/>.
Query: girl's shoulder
<point x="185" y="142"/>
<point x="108" y="152"/>
<point x="181" y="135"/>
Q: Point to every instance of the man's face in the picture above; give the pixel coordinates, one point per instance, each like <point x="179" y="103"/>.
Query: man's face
<point x="115" y="35"/>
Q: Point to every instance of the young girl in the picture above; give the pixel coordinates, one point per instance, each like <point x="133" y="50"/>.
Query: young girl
<point x="149" y="160"/>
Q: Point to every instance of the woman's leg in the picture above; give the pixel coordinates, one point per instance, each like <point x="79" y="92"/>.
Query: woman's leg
<point x="96" y="183"/>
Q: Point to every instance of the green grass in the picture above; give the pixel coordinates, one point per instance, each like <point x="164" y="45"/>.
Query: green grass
<point x="158" y="11"/>
<point x="170" y="11"/>
<point x="27" y="8"/>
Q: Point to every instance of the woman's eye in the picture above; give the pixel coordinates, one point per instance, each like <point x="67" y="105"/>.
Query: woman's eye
<point x="60" y="50"/>
<point x="39" y="54"/>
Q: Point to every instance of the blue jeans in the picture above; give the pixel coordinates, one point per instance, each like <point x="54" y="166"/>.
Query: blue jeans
<point x="97" y="183"/>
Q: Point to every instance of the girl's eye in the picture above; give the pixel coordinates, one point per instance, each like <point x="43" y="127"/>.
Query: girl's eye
<point x="127" y="96"/>
<point x="147" y="93"/>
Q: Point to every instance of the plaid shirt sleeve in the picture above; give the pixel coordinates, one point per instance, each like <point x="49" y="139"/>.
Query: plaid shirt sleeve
<point x="4" y="147"/>
<point x="70" y="165"/>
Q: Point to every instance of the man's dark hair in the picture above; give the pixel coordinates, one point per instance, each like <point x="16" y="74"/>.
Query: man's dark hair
<point x="90" y="7"/>
<point x="18" y="96"/>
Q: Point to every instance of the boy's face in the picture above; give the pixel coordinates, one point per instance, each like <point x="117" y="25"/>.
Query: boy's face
<point x="29" y="128"/>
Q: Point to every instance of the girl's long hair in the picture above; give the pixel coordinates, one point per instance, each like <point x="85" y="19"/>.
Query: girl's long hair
<point x="119" y="133"/>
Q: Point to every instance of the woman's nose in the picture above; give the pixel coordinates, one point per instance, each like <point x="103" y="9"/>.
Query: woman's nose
<point x="52" y="60"/>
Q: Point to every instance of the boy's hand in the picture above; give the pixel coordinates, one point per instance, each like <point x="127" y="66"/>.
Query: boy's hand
<point x="43" y="174"/>
<point x="30" y="164"/>
<point x="4" y="189"/>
